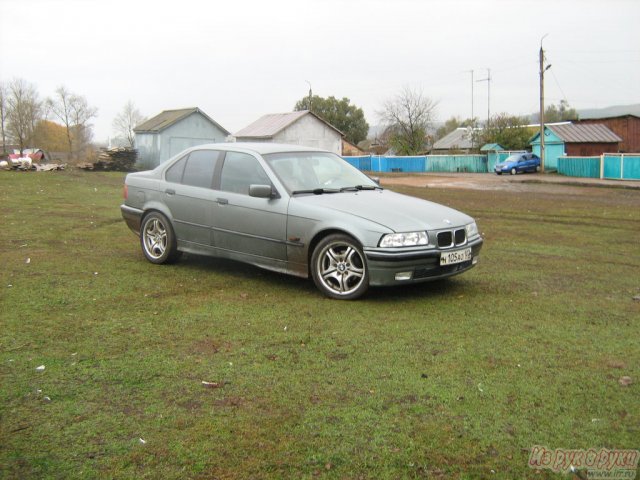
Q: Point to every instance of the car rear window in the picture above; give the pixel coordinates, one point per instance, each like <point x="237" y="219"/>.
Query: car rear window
<point x="198" y="171"/>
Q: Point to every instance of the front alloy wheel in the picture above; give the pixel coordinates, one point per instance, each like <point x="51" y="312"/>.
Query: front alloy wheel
<point x="513" y="171"/>
<point x="339" y="268"/>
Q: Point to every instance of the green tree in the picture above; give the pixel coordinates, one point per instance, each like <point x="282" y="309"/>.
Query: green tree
<point x="346" y="117"/>
<point x="408" y="117"/>
<point x="560" y="113"/>
<point x="507" y="130"/>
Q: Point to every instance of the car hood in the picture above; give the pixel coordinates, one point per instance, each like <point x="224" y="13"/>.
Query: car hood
<point x="397" y="212"/>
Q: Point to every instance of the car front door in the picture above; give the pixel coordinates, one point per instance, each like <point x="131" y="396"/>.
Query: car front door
<point x="251" y="226"/>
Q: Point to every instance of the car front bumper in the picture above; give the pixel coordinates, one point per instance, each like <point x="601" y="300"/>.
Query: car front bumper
<point x="393" y="268"/>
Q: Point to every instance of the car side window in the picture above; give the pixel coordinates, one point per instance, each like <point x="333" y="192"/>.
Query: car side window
<point x="174" y="172"/>
<point x="241" y="170"/>
<point x="201" y="165"/>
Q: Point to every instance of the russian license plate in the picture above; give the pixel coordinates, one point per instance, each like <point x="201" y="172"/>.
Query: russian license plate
<point x="457" y="256"/>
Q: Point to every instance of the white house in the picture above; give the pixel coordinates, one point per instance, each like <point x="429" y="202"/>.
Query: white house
<point x="296" y="128"/>
<point x="170" y="132"/>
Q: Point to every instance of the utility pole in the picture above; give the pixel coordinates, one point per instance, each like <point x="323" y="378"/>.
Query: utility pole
<point x="542" y="70"/>
<point x="472" y="118"/>
<point x="310" y="94"/>
<point x="471" y="95"/>
<point x="488" y="80"/>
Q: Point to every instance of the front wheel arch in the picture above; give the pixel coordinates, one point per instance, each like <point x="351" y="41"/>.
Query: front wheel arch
<point x="339" y="267"/>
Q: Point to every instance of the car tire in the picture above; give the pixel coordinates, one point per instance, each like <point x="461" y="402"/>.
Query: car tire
<point x="157" y="239"/>
<point x="513" y="171"/>
<point x="339" y="268"/>
<point x="498" y="173"/>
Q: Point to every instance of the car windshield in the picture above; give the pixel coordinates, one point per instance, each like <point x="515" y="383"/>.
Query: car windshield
<point x="317" y="172"/>
<point x="513" y="158"/>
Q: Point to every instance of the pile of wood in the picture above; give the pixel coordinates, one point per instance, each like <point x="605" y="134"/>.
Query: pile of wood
<point x="120" y="159"/>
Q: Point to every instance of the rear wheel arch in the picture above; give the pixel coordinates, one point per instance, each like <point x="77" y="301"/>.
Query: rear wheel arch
<point x="157" y="238"/>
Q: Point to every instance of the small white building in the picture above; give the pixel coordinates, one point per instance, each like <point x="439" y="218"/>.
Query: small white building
<point x="172" y="131"/>
<point x="295" y="128"/>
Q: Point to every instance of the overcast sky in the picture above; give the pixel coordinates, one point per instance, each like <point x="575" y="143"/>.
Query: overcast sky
<point x="240" y="59"/>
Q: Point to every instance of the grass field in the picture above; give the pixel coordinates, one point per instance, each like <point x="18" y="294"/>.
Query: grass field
<point x="454" y="379"/>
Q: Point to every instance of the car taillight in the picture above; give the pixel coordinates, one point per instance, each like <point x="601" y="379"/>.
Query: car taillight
<point x="125" y="191"/>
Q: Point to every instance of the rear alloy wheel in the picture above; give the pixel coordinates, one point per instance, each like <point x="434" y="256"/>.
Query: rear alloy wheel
<point x="157" y="239"/>
<point x="339" y="268"/>
<point x="513" y="171"/>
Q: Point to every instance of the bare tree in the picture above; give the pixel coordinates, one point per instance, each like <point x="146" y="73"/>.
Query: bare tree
<point x="126" y="121"/>
<point x="81" y="114"/>
<point x="24" y="110"/>
<point x="3" y="116"/>
<point x="408" y="117"/>
<point x="75" y="114"/>
<point x="60" y="106"/>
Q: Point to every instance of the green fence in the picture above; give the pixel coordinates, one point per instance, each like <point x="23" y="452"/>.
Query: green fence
<point x="621" y="166"/>
<point x="428" y="163"/>
<point x="612" y="166"/>
<point x="587" y="167"/>
<point x="457" y="163"/>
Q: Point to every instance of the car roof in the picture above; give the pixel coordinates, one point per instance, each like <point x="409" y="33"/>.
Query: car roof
<point x="261" y="148"/>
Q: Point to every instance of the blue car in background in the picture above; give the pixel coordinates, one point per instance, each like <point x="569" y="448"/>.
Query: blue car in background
<point x="519" y="163"/>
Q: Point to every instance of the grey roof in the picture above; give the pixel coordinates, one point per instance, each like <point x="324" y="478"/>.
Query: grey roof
<point x="584" y="133"/>
<point x="169" y="117"/>
<point x="271" y="124"/>
<point x="459" y="138"/>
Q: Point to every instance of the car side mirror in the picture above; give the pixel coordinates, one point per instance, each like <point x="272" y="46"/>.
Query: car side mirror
<point x="261" y="191"/>
<point x="376" y="180"/>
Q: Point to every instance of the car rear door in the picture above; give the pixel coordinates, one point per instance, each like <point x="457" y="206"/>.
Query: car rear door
<point x="189" y="195"/>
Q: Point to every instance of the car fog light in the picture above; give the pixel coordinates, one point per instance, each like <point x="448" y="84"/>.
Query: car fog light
<point x="404" y="275"/>
<point x="474" y="260"/>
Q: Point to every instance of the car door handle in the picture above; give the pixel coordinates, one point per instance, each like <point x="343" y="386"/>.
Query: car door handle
<point x="222" y="201"/>
<point x="170" y="191"/>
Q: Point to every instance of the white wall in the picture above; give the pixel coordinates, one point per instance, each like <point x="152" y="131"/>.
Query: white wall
<point x="311" y="132"/>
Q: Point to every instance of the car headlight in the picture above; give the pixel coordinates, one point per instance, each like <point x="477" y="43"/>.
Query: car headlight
<point x="409" y="239"/>
<point x="472" y="230"/>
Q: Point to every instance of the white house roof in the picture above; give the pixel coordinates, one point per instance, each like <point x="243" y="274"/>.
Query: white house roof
<point x="271" y="124"/>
